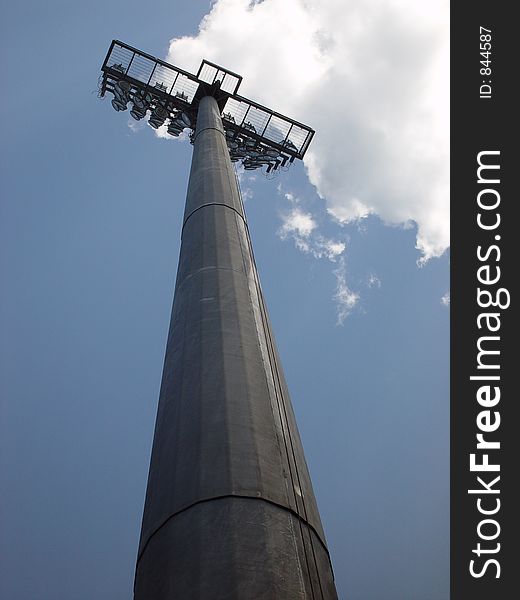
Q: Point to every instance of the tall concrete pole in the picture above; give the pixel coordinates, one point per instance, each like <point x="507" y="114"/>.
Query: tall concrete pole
<point x="230" y="512"/>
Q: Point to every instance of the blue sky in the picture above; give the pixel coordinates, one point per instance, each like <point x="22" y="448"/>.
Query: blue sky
<point x="89" y="238"/>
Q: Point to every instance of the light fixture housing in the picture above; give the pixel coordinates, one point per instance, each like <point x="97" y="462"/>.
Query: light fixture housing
<point x="150" y="83"/>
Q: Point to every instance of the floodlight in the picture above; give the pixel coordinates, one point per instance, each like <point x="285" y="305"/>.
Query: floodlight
<point x="179" y="121"/>
<point x="175" y="131"/>
<point x="139" y="102"/>
<point x="122" y="86"/>
<point x="158" y="116"/>
<point x="118" y="104"/>
<point x="137" y="113"/>
<point x="186" y="120"/>
<point x="118" y="93"/>
<point x="159" y="112"/>
<point x="175" y="125"/>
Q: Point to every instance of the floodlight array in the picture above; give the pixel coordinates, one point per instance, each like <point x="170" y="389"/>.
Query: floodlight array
<point x="256" y="136"/>
<point x="254" y="154"/>
<point x="143" y="103"/>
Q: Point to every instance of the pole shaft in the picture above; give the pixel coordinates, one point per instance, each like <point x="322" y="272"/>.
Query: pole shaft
<point x="229" y="512"/>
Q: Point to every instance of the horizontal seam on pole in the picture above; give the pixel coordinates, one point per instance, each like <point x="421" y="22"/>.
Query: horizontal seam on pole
<point x="210" y="268"/>
<point x="209" y="204"/>
<point x="241" y="496"/>
<point x="205" y="129"/>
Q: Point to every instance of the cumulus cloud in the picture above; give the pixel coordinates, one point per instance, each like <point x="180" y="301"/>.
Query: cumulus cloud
<point x="445" y="300"/>
<point x="370" y="76"/>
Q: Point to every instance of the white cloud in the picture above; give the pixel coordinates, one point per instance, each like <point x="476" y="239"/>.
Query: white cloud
<point x="344" y="297"/>
<point x="374" y="281"/>
<point x="298" y="223"/>
<point x="243" y="180"/>
<point x="445" y="300"/>
<point x="325" y="248"/>
<point x="135" y="126"/>
<point x="303" y="229"/>
<point x="162" y="132"/>
<point x="370" y="76"/>
<point x="247" y="194"/>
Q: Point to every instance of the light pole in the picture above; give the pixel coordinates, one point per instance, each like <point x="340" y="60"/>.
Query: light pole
<point x="229" y="511"/>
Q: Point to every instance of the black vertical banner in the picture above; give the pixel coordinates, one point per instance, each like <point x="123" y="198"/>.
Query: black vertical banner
<point x="485" y="432"/>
